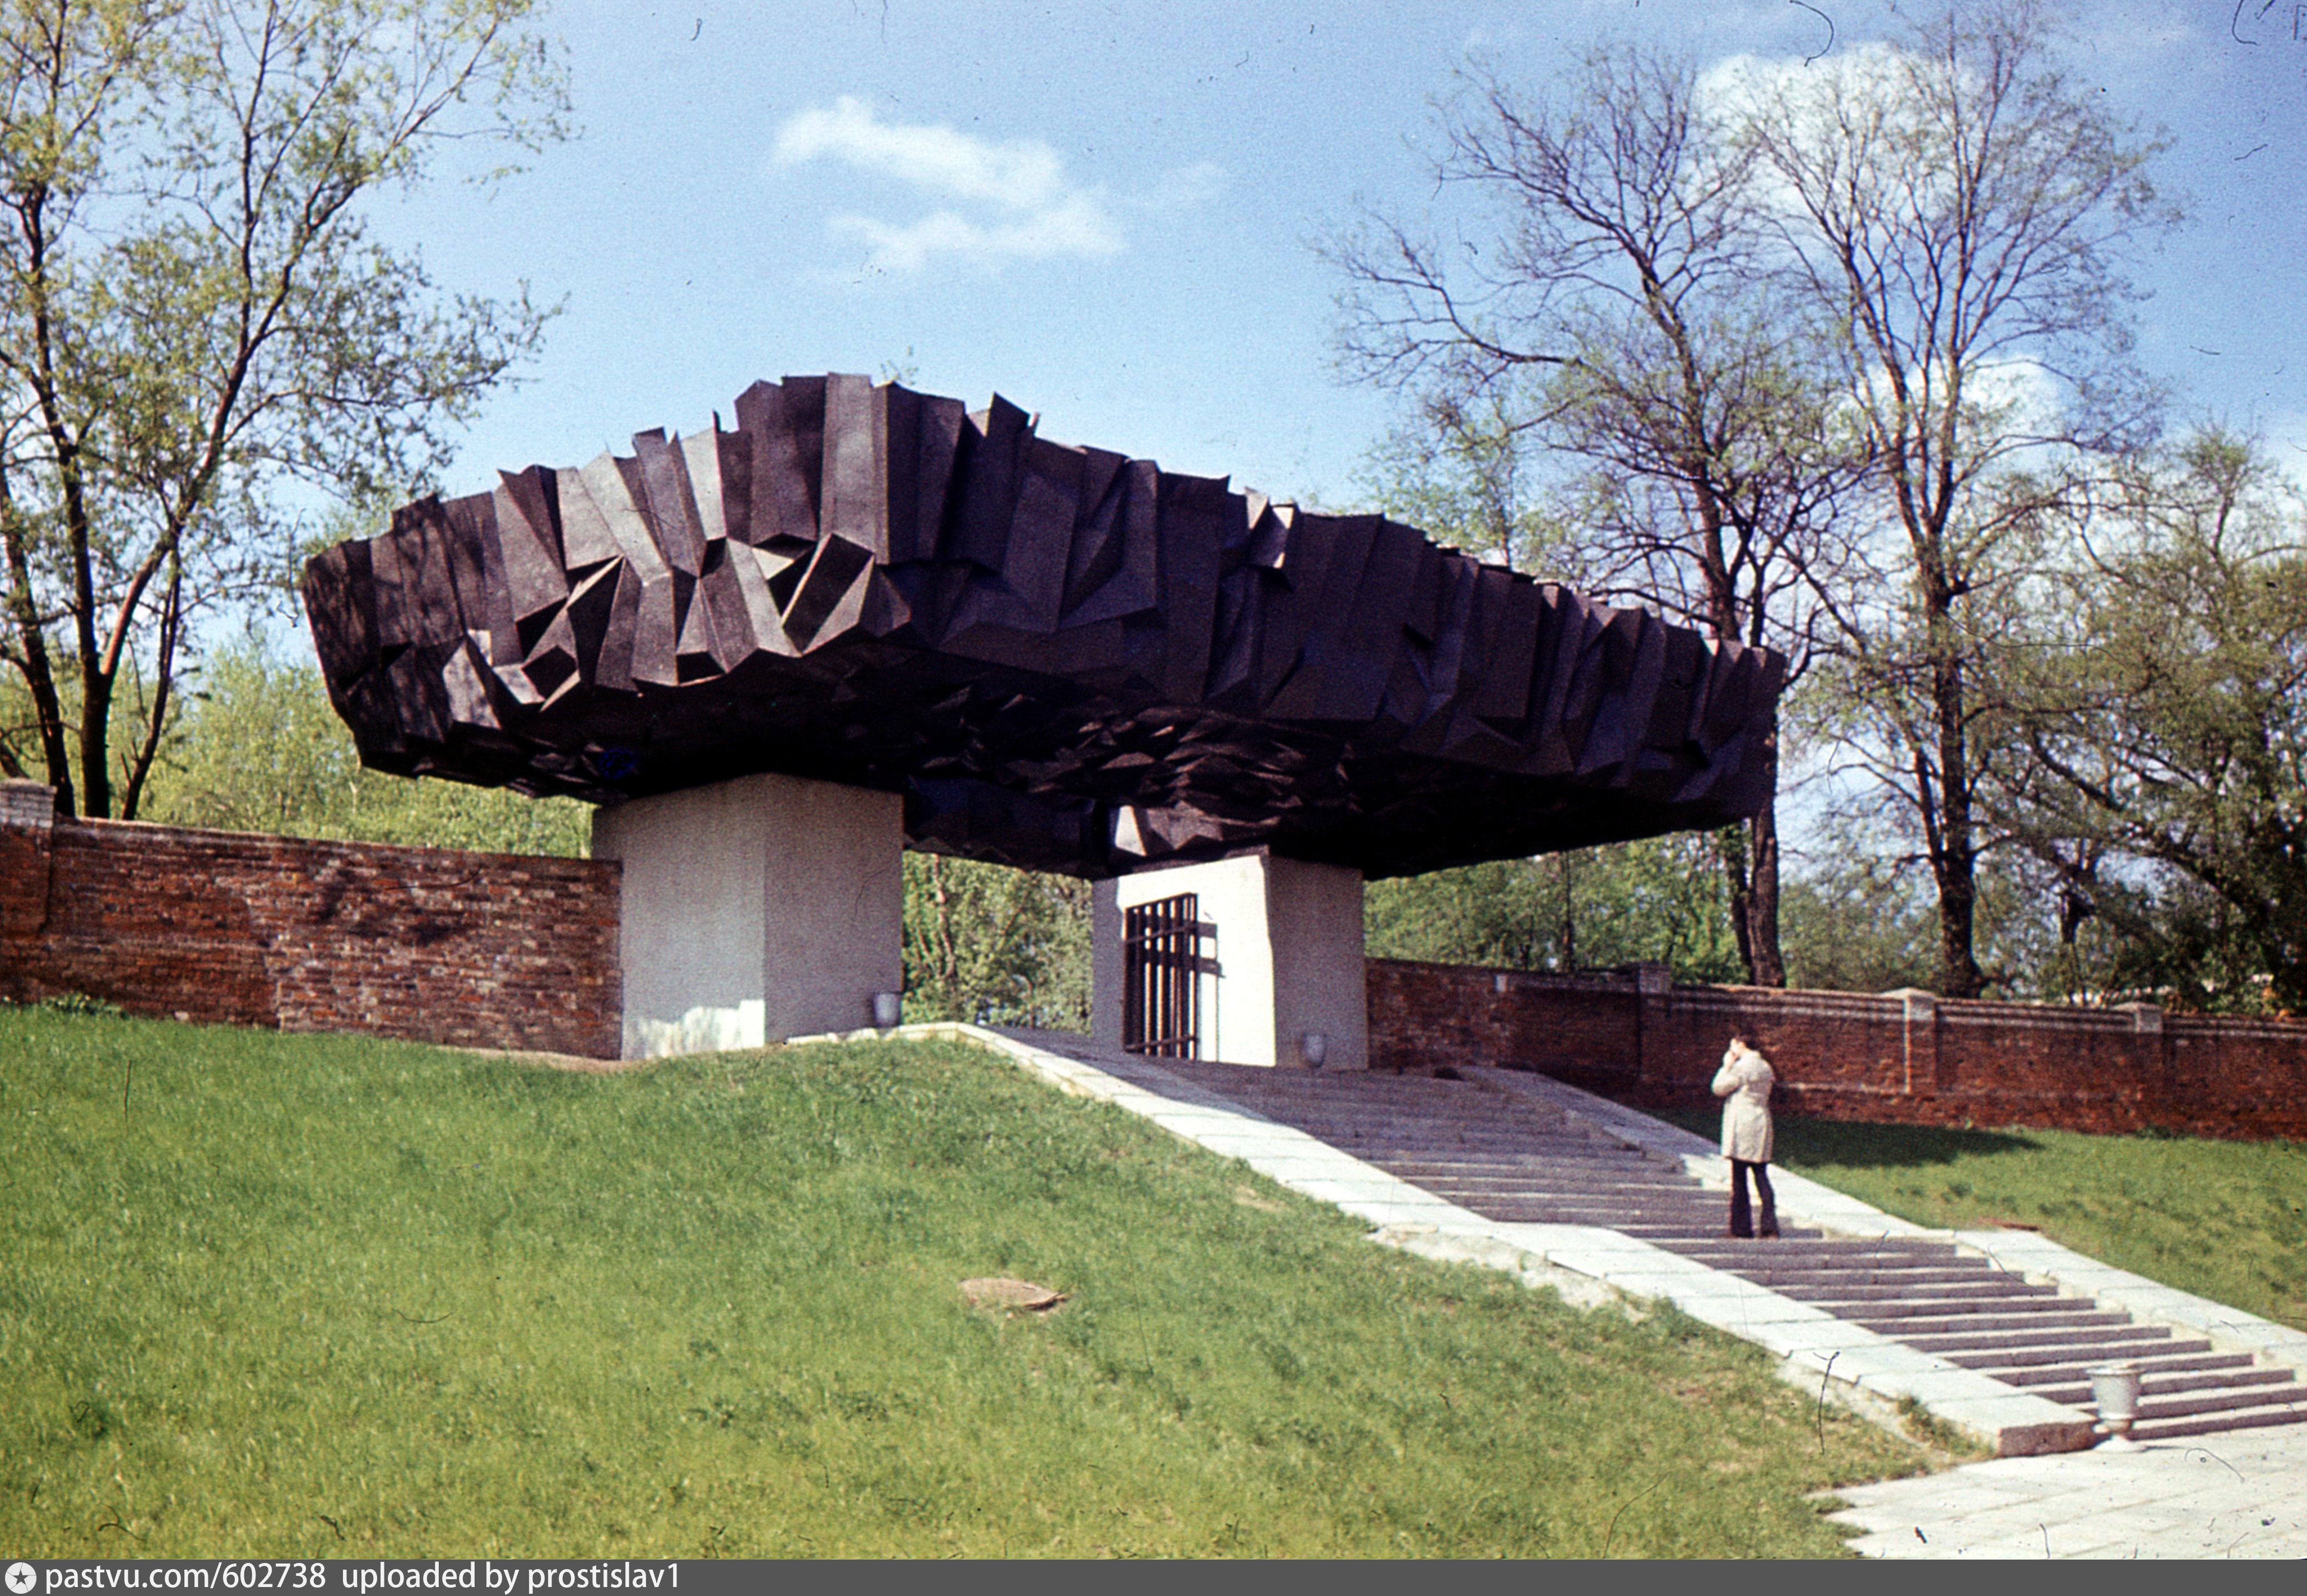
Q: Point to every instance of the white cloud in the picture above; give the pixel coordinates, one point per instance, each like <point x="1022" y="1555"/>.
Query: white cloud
<point x="1001" y="202"/>
<point x="1076" y="226"/>
<point x="2024" y="392"/>
<point x="1865" y="111"/>
<point x="1024" y="176"/>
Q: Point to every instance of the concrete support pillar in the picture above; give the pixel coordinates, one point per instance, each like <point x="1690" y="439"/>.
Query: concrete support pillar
<point x="1288" y="954"/>
<point x="754" y="910"/>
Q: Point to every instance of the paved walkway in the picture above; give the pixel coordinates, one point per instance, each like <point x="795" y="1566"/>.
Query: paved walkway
<point x="2235" y="1492"/>
<point x="2243" y="1494"/>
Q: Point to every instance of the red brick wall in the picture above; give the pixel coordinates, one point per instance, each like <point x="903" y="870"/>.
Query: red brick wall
<point x="1913" y="1058"/>
<point x="501" y="950"/>
<point x="426" y="944"/>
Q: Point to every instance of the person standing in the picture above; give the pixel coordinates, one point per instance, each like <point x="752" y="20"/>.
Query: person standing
<point x="1743" y="1083"/>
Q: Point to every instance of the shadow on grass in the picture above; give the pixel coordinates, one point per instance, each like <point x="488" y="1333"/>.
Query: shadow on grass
<point x="1854" y="1145"/>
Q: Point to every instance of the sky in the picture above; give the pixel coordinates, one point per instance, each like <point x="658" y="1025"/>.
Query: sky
<point x="1107" y="211"/>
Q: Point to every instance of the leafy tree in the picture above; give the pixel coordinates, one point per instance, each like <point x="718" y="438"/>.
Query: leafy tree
<point x="1662" y="899"/>
<point x="1617" y="319"/>
<point x="1858" y="927"/>
<point x="1959" y="211"/>
<point x="2165" y="717"/>
<point x="196" y="326"/>
<point x="260" y="750"/>
<point x="996" y="946"/>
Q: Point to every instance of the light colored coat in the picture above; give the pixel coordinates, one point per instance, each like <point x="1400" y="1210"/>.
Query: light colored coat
<point x="1743" y="1083"/>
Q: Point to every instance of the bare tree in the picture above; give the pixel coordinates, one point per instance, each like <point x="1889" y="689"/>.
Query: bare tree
<point x="191" y="313"/>
<point x="1960" y="212"/>
<point x="1619" y="314"/>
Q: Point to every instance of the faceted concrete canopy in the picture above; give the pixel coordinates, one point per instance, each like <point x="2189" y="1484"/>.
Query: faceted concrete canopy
<point x="1057" y="656"/>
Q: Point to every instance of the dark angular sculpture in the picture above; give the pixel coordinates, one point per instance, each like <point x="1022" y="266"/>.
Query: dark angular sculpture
<point x="1065" y="659"/>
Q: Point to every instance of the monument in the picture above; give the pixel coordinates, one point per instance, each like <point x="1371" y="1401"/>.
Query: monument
<point x="863" y="618"/>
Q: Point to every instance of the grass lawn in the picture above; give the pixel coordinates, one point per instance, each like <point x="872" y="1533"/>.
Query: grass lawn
<point x="2227" y="1220"/>
<point x="325" y="1296"/>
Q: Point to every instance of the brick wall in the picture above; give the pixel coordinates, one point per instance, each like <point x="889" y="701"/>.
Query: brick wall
<point x="427" y="944"/>
<point x="1907" y="1057"/>
<point x="505" y="950"/>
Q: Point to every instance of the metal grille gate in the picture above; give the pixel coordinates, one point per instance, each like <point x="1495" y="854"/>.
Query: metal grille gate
<point x="1162" y="962"/>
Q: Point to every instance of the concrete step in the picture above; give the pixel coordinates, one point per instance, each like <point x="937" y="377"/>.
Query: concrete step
<point x="1690" y="1216"/>
<point x="1668" y="1222"/>
<point x="2076" y="1376"/>
<point x="1444" y="1139"/>
<point x="1543" y="1175"/>
<point x="1442" y="1162"/>
<point x="1780" y="1278"/>
<point x="1693" y="1209"/>
<point x="1657" y="1232"/>
<point x="1546" y="1179"/>
<point x="1931" y="1332"/>
<point x="1843" y="1253"/>
<point x="1377" y="1146"/>
<point x="2105" y="1344"/>
<point x="2211" y="1424"/>
<point x="2121" y="1334"/>
<point x="1994" y="1288"/>
<point x="1951" y="1302"/>
<point x="2038" y="1311"/>
<point x="2078" y="1393"/>
<point x="2195" y="1403"/>
<point x="2069" y="1361"/>
<point x="1444" y="1104"/>
<point x="1685" y="1218"/>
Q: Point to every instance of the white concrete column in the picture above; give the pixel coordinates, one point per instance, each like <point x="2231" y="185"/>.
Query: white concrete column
<point x="1289" y="952"/>
<point x="754" y="910"/>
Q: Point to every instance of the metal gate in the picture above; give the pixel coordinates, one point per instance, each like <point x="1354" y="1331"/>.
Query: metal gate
<point x="1161" y="964"/>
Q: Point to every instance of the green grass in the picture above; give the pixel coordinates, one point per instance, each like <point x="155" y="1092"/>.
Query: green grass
<point x="321" y="1296"/>
<point x="2225" y="1220"/>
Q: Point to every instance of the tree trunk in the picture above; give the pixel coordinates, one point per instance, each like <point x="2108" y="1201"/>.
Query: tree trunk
<point x="95" y="742"/>
<point x="1566" y="944"/>
<point x="38" y="673"/>
<point x="1766" y="960"/>
<point x="163" y="677"/>
<point x="1750" y="861"/>
<point x="1954" y="860"/>
<point x="1732" y="841"/>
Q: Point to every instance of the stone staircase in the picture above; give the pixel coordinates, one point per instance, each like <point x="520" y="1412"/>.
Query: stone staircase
<point x="1513" y="1159"/>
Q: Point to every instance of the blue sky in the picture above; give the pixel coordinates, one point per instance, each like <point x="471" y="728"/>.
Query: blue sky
<point x="1104" y="211"/>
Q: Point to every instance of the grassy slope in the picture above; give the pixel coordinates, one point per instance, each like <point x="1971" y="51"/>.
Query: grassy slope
<point x="327" y="1296"/>
<point x="2227" y="1220"/>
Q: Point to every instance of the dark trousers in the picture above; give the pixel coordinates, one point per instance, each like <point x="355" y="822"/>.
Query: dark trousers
<point x="1742" y="1217"/>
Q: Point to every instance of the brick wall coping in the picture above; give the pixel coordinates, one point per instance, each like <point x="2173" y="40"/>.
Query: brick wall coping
<point x="208" y="834"/>
<point x="1817" y="1002"/>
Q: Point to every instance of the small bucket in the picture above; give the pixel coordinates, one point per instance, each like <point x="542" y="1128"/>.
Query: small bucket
<point x="2114" y="1388"/>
